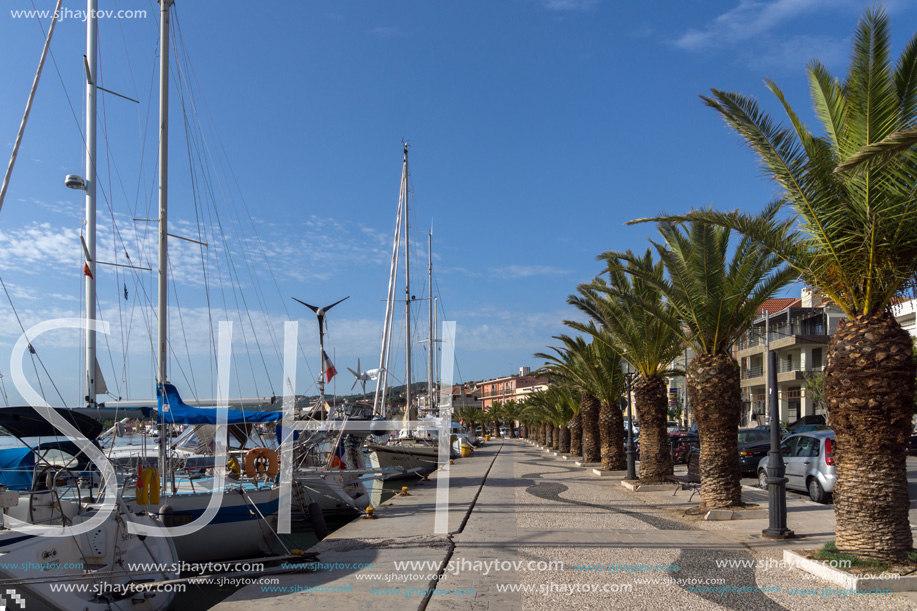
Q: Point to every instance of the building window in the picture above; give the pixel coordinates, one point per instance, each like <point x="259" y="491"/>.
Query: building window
<point x="816" y="358"/>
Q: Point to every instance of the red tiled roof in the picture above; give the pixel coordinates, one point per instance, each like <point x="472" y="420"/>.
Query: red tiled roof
<point x="778" y="304"/>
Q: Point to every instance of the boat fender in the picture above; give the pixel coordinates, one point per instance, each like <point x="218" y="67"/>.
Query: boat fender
<point x="254" y="462"/>
<point x="318" y="520"/>
<point x="148" y="487"/>
<point x="167" y="516"/>
<point x="233" y="465"/>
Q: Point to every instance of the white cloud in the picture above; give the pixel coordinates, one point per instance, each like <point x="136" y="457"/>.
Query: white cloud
<point x="527" y="271"/>
<point x="569" y="5"/>
<point x="795" y="52"/>
<point x="39" y="246"/>
<point x="749" y="20"/>
<point x="504" y="330"/>
<point x="385" y="32"/>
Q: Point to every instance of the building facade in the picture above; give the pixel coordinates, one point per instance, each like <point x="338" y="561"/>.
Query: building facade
<point x="510" y="388"/>
<point x="798" y="331"/>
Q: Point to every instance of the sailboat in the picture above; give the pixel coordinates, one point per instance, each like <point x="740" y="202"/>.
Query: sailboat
<point x="242" y="525"/>
<point x="415" y="452"/>
<point x="49" y="538"/>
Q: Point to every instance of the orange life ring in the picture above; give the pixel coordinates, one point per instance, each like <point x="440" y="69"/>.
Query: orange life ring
<point x="255" y="462"/>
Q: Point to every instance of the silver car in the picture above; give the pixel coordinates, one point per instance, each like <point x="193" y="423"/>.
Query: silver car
<point x="809" y="459"/>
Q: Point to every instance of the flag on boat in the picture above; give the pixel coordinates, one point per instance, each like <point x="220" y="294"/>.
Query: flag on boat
<point x="328" y="366"/>
<point x="86" y="271"/>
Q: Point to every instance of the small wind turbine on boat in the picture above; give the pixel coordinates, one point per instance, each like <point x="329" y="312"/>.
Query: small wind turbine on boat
<point x="326" y="370"/>
<point x="363" y="376"/>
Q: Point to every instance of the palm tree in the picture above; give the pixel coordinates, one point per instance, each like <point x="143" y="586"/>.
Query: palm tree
<point x="593" y="369"/>
<point x="852" y="234"/>
<point x="470" y="415"/>
<point x="509" y="413"/>
<point x="648" y="342"/>
<point x="562" y="369"/>
<point x="494" y="417"/>
<point x="715" y="301"/>
<point x="554" y="406"/>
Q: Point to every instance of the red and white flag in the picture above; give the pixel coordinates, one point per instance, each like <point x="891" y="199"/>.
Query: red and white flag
<point x="328" y="366"/>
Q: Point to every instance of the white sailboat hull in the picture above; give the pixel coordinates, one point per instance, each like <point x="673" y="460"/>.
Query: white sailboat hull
<point x="415" y="460"/>
<point x="237" y="530"/>
<point x="48" y="573"/>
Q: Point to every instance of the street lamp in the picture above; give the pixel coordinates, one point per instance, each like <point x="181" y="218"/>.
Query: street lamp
<point x="629" y="374"/>
<point x="776" y="469"/>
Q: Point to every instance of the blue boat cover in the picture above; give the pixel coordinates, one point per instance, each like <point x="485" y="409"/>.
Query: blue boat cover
<point x="16" y="468"/>
<point x="180" y="413"/>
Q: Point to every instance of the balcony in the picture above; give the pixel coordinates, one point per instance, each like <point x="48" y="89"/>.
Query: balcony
<point x="784" y="367"/>
<point x="752" y="372"/>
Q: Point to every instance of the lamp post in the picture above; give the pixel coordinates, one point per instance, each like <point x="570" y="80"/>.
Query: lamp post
<point x="776" y="469"/>
<point x="629" y="374"/>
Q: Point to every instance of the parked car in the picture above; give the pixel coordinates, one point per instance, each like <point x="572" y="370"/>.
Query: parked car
<point x="809" y="459"/>
<point x="805" y="424"/>
<point x="753" y="445"/>
<point x="671" y="426"/>
<point x="764" y="427"/>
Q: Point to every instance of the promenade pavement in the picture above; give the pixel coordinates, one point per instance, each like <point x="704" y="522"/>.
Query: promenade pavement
<point x="529" y="531"/>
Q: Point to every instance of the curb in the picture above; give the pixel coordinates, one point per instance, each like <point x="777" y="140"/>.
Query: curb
<point x="846" y="580"/>
<point x="716" y="515"/>
<point x="616" y="474"/>
<point x="638" y="487"/>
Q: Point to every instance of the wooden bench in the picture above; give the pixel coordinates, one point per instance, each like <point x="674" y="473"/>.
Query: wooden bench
<point x="692" y="479"/>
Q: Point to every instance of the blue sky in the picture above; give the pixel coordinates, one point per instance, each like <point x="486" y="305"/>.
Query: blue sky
<point x="537" y="129"/>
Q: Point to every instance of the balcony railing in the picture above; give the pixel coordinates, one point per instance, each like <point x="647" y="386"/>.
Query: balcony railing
<point x="752" y="372"/>
<point x="805" y="325"/>
<point x="784" y="367"/>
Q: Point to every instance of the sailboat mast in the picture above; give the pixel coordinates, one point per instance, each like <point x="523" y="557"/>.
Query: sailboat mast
<point x="408" y="415"/>
<point x="432" y="339"/>
<point x="162" y="335"/>
<point x="92" y="32"/>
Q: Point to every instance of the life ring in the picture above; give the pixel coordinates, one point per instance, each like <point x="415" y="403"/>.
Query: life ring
<point x="254" y="462"/>
<point x="148" y="487"/>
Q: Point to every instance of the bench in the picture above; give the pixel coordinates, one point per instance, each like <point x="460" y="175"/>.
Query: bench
<point x="692" y="479"/>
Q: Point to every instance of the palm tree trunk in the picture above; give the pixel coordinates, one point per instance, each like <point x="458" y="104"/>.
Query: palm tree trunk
<point x="543" y="434"/>
<point x="565" y="439"/>
<point x="589" y="410"/>
<point x="714" y="392"/>
<point x="555" y="439"/>
<point x="652" y="403"/>
<point x="576" y="435"/>
<point x="869" y="387"/>
<point x="611" y="428"/>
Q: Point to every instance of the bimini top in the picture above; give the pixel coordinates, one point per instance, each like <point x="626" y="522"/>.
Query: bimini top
<point x="181" y="413"/>
<point x="27" y="422"/>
